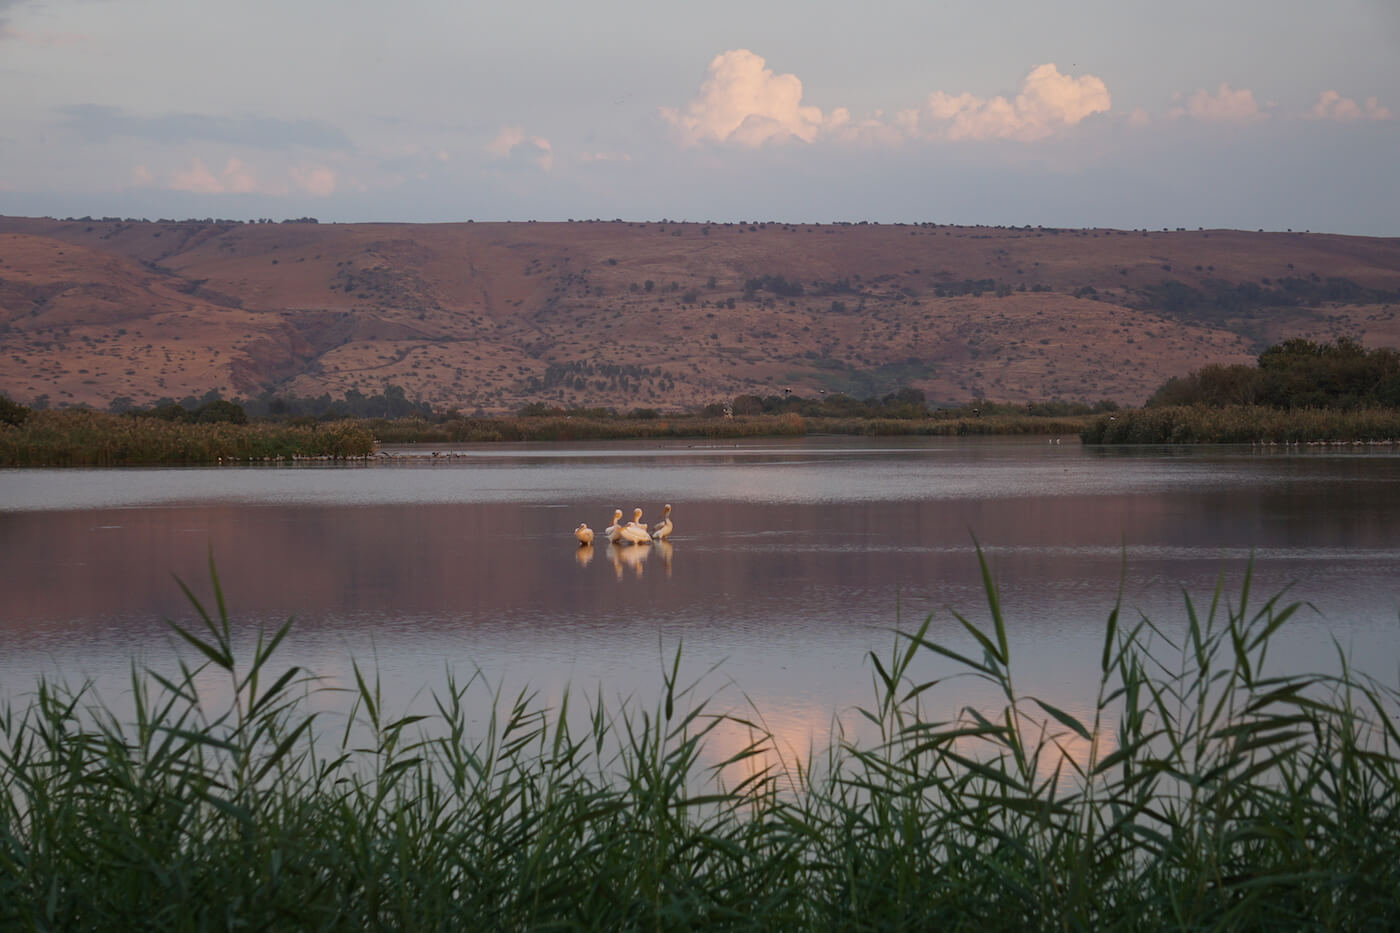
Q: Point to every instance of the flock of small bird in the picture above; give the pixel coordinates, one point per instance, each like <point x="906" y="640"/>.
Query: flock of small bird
<point x="634" y="532"/>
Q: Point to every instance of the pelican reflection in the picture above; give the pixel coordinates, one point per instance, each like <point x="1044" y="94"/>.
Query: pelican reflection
<point x="632" y="557"/>
<point x="584" y="554"/>
<point x="664" y="549"/>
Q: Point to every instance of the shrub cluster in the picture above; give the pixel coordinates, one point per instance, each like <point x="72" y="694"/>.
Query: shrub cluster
<point x="81" y="437"/>
<point x="1295" y="374"/>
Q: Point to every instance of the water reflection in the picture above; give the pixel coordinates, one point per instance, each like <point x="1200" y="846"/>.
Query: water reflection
<point x="802" y="559"/>
<point x="631" y="556"/>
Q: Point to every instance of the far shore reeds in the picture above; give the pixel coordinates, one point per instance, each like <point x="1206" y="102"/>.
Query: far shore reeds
<point x="1245" y="424"/>
<point x="80" y="437"/>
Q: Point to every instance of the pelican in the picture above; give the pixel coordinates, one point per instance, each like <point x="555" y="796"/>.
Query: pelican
<point x="662" y="529"/>
<point x="634" y="532"/>
<point x="584" y="534"/>
<point x="614" y="531"/>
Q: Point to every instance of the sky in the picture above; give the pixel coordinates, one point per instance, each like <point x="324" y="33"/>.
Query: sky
<point x="1248" y="114"/>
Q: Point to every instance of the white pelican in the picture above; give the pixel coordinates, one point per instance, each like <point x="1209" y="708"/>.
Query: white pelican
<point x="614" y="531"/>
<point x="662" y="529"/>
<point x="634" y="532"/>
<point x="584" y="534"/>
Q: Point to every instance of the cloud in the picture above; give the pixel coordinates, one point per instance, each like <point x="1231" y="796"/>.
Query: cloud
<point x="239" y="178"/>
<point x="1224" y="106"/>
<point x="1047" y="103"/>
<point x="317" y="180"/>
<point x="1333" y="106"/>
<point x="513" y="147"/>
<point x="236" y="178"/>
<point x="100" y="123"/>
<point x="742" y="101"/>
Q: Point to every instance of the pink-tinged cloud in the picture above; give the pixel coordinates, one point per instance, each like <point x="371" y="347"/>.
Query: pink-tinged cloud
<point x="1226" y="105"/>
<point x="1333" y="106"/>
<point x="197" y="178"/>
<point x="236" y="178"/>
<point x="317" y="181"/>
<point x="742" y="101"/>
<point x="514" y="145"/>
<point x="1048" y="103"/>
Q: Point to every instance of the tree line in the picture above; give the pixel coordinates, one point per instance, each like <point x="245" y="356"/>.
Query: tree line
<point x="1298" y="373"/>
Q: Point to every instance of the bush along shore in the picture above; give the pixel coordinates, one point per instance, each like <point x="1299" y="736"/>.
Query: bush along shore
<point x="1246" y="424"/>
<point x="80" y="437"/>
<point x="1202" y="791"/>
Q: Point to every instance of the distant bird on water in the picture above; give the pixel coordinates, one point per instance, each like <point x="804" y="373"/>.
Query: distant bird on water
<point x="584" y="534"/>
<point x="662" y="529"/>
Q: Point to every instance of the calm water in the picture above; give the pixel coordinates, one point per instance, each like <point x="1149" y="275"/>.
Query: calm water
<point x="790" y="561"/>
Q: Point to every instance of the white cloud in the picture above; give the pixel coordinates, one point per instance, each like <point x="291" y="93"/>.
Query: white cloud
<point x="1224" y="106"/>
<point x="239" y="178"/>
<point x="1047" y="103"/>
<point x="196" y="178"/>
<point x="317" y="180"/>
<point x="742" y="101"/>
<point x="236" y="178"/>
<point x="1333" y="106"/>
<point x="513" y="145"/>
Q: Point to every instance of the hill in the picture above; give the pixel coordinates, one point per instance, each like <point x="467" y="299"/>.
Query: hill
<point x="492" y="316"/>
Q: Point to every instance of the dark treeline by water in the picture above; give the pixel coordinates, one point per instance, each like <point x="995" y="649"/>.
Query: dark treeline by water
<point x="211" y="429"/>
<point x="1296" y="374"/>
<point x="1202" y="789"/>
<point x="1298" y="392"/>
<point x="80" y="437"/>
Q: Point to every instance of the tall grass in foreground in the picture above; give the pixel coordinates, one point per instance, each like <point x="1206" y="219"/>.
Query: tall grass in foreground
<point x="1227" y="797"/>
<point x="79" y="437"/>
<point x="1243" y="424"/>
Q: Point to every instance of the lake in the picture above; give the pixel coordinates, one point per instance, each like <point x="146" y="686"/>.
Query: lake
<point x="791" y="560"/>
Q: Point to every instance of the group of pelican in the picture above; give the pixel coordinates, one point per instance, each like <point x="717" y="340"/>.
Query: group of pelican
<point x="634" y="532"/>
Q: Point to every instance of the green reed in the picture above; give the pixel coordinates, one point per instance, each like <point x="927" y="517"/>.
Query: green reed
<point x="1244" y="424"/>
<point x="1205" y="790"/>
<point x="79" y="437"/>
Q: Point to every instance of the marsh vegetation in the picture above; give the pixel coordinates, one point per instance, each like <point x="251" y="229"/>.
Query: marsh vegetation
<point x="1203" y="789"/>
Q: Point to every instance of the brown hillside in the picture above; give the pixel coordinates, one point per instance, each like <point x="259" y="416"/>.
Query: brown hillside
<point x="493" y="316"/>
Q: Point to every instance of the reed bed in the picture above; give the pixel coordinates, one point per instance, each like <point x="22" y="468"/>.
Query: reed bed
<point x="787" y="424"/>
<point x="1245" y="424"/>
<point x="1205" y="792"/>
<point x="79" y="437"/>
